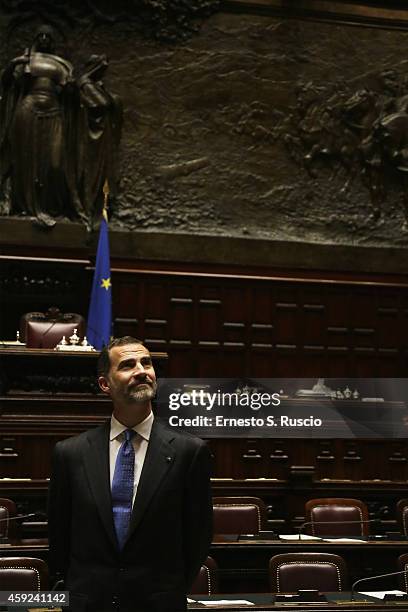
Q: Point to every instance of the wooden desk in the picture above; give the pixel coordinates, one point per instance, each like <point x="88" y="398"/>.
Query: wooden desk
<point x="264" y="601"/>
<point x="244" y="563"/>
<point x="37" y="547"/>
<point x="50" y="372"/>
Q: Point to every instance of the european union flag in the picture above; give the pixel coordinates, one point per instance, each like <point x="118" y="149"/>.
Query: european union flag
<point x="99" y="329"/>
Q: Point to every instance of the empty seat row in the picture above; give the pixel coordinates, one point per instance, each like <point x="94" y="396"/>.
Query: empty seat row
<point x="335" y="516"/>
<point x="325" y="516"/>
<point x="247" y="515"/>
<point x="290" y="572"/>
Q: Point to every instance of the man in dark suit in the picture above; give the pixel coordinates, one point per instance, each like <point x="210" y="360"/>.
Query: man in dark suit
<point x="130" y="514"/>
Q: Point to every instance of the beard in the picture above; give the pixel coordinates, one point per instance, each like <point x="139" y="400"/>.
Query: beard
<point x="143" y="392"/>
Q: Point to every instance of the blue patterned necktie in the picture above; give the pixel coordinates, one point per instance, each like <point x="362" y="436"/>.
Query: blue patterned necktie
<point x="122" y="487"/>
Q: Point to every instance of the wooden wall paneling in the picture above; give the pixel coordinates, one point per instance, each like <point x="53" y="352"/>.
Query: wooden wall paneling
<point x="280" y="458"/>
<point x="126" y="296"/>
<point x="398" y="461"/>
<point x="390" y="319"/>
<point x="325" y="460"/>
<point x="223" y="457"/>
<point x="303" y="454"/>
<point x="209" y="323"/>
<point x="155" y="332"/>
<point x="308" y="328"/>
<point x="209" y="361"/>
<point x="127" y="291"/>
<point x="312" y="361"/>
<point x="259" y="338"/>
<point x="29" y="455"/>
<point x="363" y="327"/>
<point x="337" y="363"/>
<point x="364" y="362"/>
<point x="235" y="361"/>
<point x="337" y="333"/>
<point x="286" y="318"/>
<point x="261" y="316"/>
<point x="261" y="335"/>
<point x="10" y="455"/>
<point x="182" y="361"/>
<point x="126" y="326"/>
<point x="235" y="335"/>
<point x="181" y="329"/>
<point x="155" y="309"/>
<point x="181" y="320"/>
<point x="374" y="464"/>
<point x="262" y="362"/>
<point x="352" y="461"/>
<point x="286" y="362"/>
<point x="253" y="459"/>
<point x="314" y="318"/>
<point x="390" y="364"/>
<point x="343" y="460"/>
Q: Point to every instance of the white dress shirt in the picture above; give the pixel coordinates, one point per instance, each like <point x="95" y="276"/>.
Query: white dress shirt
<point x="140" y="442"/>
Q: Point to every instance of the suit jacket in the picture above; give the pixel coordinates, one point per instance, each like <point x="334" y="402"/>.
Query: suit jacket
<point x="170" y="529"/>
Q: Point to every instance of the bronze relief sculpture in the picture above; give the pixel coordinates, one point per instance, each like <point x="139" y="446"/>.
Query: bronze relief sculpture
<point x="58" y="135"/>
<point x="101" y="125"/>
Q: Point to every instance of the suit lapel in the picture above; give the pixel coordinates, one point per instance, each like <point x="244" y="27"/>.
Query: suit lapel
<point x="159" y="458"/>
<point x="96" y="460"/>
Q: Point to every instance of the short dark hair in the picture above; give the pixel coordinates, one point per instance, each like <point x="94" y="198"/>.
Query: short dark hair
<point x="103" y="365"/>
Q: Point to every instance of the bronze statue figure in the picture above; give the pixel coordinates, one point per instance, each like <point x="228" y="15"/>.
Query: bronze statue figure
<point x="101" y="130"/>
<point x="57" y="135"/>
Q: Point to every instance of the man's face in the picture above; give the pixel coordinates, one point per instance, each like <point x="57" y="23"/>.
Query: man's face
<point x="131" y="376"/>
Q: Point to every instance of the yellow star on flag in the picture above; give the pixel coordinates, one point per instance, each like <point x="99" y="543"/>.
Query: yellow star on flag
<point x="106" y="283"/>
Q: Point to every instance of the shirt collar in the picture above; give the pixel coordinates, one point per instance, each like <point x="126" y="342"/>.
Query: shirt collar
<point x="143" y="429"/>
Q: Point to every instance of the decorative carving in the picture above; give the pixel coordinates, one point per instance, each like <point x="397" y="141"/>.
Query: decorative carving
<point x="164" y="20"/>
<point x="53" y="384"/>
<point x="364" y="131"/>
<point x="58" y="135"/>
<point x="15" y="281"/>
<point x="100" y="131"/>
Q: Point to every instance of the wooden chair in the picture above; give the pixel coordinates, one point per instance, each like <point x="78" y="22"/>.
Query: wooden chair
<point x="7" y="510"/>
<point x="206" y="581"/>
<point x="324" y="572"/>
<point x="45" y="330"/>
<point x="403" y="567"/>
<point x="345" y="517"/>
<point x="402" y="516"/>
<point x="23" y="574"/>
<point x="239" y="515"/>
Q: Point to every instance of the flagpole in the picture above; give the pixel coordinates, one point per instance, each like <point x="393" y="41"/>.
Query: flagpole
<point x="106" y="193"/>
<point x="99" y="326"/>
